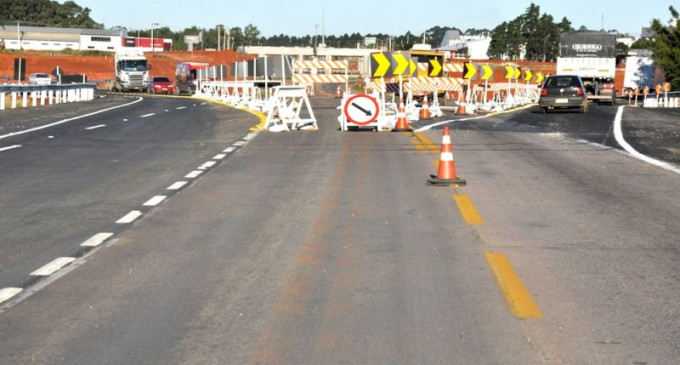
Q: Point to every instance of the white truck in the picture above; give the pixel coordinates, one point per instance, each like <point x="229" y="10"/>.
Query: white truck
<point x="641" y="71"/>
<point x="131" y="69"/>
<point x="592" y="56"/>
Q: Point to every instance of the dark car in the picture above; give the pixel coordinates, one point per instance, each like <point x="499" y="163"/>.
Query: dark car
<point x="563" y="91"/>
<point x="161" y="85"/>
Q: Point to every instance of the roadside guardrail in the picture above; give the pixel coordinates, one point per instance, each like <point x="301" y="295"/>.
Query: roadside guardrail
<point x="44" y="94"/>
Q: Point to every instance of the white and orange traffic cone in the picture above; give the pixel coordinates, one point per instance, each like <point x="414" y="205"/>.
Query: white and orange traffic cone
<point x="402" y="121"/>
<point x="338" y="93"/>
<point x="425" y="110"/>
<point x="447" y="166"/>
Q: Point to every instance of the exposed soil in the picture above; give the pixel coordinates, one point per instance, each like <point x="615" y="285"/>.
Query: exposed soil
<point x="100" y="68"/>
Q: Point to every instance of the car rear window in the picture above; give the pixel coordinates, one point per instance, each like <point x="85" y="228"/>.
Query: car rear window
<point x="562" y="82"/>
<point x="161" y="79"/>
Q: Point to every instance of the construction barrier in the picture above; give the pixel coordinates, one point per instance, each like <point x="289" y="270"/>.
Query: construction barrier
<point x="306" y="73"/>
<point x="285" y="110"/>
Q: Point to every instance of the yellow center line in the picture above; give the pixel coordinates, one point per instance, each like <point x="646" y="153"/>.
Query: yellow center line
<point x="519" y="300"/>
<point x="427" y="142"/>
<point x="468" y="210"/>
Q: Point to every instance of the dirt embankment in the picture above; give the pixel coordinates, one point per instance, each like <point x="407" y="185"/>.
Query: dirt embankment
<point x="100" y="68"/>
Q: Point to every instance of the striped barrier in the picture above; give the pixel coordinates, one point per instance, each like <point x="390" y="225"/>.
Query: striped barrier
<point x="45" y="94"/>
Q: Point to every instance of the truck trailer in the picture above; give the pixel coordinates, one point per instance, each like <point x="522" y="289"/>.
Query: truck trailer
<point x="592" y="56"/>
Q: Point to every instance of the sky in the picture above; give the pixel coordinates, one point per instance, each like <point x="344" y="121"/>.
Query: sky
<point x="396" y="17"/>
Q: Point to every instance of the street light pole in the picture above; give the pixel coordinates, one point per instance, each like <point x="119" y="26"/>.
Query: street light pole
<point x="153" y="25"/>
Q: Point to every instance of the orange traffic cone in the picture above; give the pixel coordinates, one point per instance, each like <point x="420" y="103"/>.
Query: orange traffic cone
<point x="461" y="108"/>
<point x="338" y="93"/>
<point x="425" y="110"/>
<point x="447" y="167"/>
<point x="402" y="122"/>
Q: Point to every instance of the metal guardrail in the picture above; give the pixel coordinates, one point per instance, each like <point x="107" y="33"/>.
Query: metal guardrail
<point x="44" y="94"/>
<point x="15" y="88"/>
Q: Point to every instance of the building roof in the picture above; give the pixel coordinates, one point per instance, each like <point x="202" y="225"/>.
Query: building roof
<point x="69" y="31"/>
<point x="450" y="35"/>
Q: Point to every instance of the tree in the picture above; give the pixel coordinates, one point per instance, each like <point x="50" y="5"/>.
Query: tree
<point x="251" y="34"/>
<point x="666" y="47"/>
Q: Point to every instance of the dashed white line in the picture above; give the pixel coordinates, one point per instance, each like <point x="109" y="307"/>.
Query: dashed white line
<point x="202" y="103"/>
<point x="239" y="144"/>
<point x="193" y="174"/>
<point x="250" y="136"/>
<point x="130" y="217"/>
<point x="97" y="239"/>
<point x="8" y="293"/>
<point x="148" y="115"/>
<point x="68" y="120"/>
<point x="95" y="127"/>
<point x="155" y="201"/>
<point x="230" y="150"/>
<point x="178" y="185"/>
<point x="167" y="110"/>
<point x="207" y="165"/>
<point x="221" y="156"/>
<point x="53" y="266"/>
<point x="10" y="147"/>
<point x="181" y="107"/>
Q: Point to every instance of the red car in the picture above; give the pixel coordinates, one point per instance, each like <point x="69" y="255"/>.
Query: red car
<point x="161" y="85"/>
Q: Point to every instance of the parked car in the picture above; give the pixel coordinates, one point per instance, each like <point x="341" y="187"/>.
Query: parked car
<point x="161" y="85"/>
<point x="39" y="79"/>
<point x="562" y="92"/>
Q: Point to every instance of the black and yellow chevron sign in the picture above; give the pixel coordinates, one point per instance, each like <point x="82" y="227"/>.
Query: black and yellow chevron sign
<point x="388" y="64"/>
<point x="470" y="71"/>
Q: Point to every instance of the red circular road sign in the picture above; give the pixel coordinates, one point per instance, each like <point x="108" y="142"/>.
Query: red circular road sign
<point x="361" y="109"/>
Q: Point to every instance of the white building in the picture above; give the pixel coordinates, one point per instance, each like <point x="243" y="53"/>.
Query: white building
<point x="19" y="37"/>
<point x="477" y="45"/>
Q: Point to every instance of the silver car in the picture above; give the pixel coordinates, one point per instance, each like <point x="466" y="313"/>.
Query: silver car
<point x="563" y="91"/>
<point x="39" y="79"/>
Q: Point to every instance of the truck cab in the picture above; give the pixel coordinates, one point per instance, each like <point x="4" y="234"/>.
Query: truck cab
<point x="132" y="71"/>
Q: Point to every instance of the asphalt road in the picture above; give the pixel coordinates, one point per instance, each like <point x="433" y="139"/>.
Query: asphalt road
<point x="325" y="247"/>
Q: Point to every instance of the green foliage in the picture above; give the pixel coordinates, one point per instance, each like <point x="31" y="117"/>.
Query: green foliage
<point x="535" y="35"/>
<point x="46" y="13"/>
<point x="666" y="47"/>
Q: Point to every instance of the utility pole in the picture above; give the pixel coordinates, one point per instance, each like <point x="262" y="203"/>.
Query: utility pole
<point x="323" y="26"/>
<point x="153" y="25"/>
<point x="218" y="37"/>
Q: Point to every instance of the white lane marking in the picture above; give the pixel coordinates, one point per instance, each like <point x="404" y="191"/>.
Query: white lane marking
<point x="221" y="156"/>
<point x="239" y="144"/>
<point x="53" y="266"/>
<point x="181" y="107"/>
<point x="250" y="136"/>
<point x="207" y="165"/>
<point x="7" y="293"/>
<point x="148" y="115"/>
<point x="193" y="174"/>
<point x="618" y="133"/>
<point x="202" y="103"/>
<point x="130" y="217"/>
<point x="428" y="127"/>
<point x="95" y="127"/>
<point x="166" y="110"/>
<point x="10" y="147"/>
<point x="155" y="201"/>
<point x="68" y="120"/>
<point x="178" y="185"/>
<point x="97" y="239"/>
<point x="125" y="120"/>
<point x="229" y="150"/>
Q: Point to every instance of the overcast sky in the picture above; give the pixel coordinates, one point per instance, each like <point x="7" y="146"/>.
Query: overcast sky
<point x="394" y="17"/>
